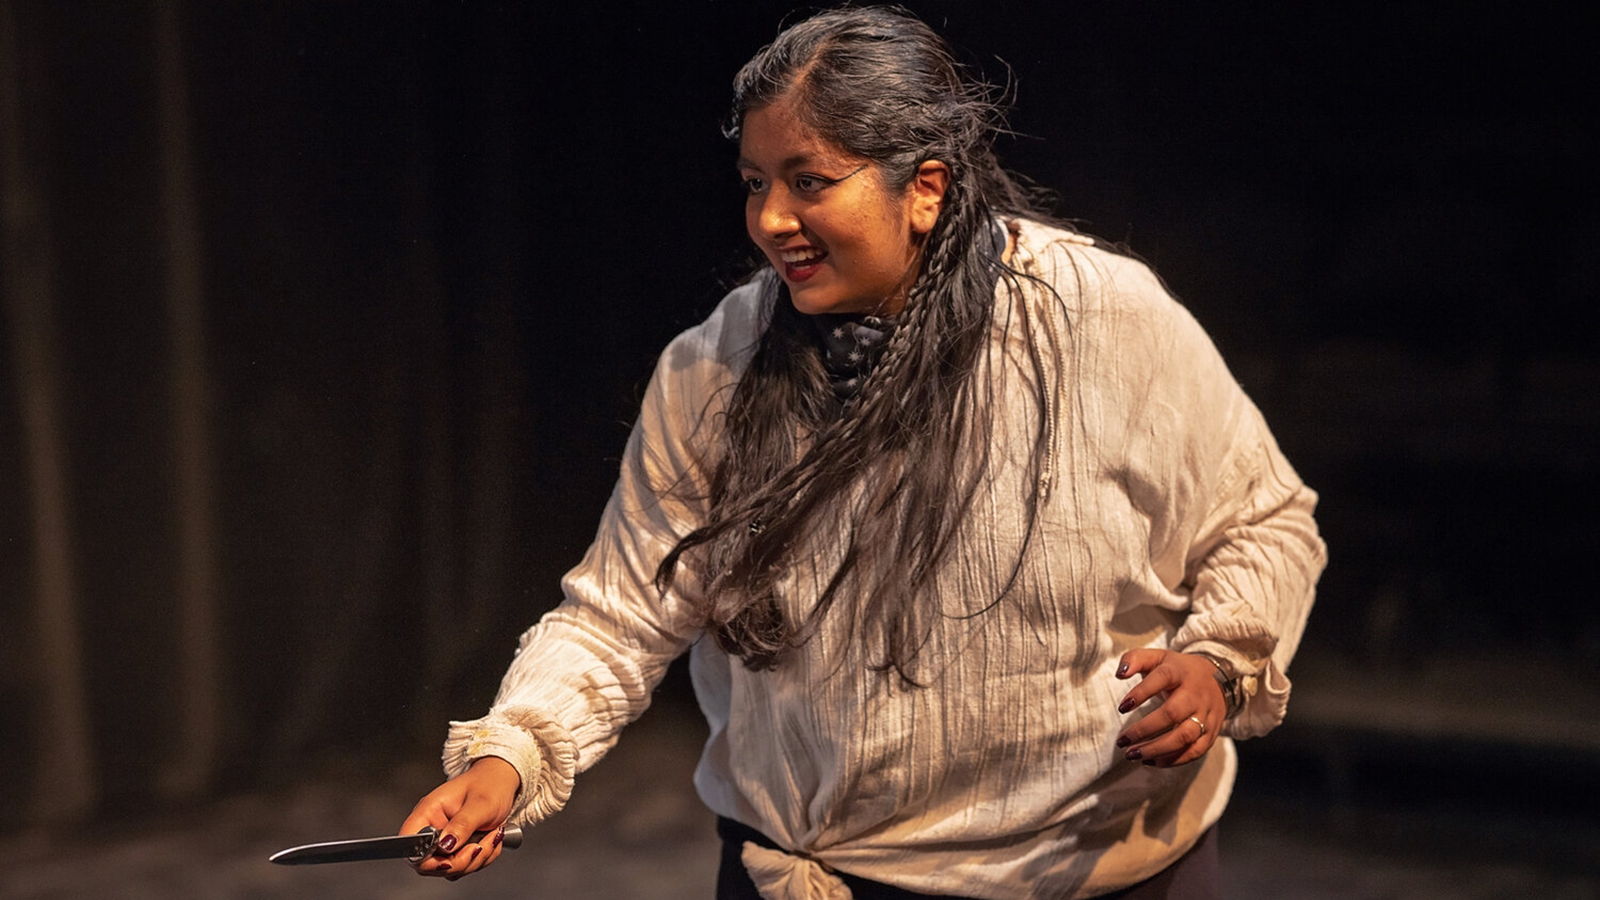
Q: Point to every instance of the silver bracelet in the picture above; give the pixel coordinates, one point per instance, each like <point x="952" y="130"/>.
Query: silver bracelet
<point x="1232" y="691"/>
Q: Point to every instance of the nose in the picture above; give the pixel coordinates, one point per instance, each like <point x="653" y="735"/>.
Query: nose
<point x="774" y="216"/>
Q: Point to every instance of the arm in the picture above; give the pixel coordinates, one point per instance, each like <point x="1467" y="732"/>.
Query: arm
<point x="1231" y="535"/>
<point x="589" y="666"/>
<point x="1254" y="578"/>
<point x="1251" y="583"/>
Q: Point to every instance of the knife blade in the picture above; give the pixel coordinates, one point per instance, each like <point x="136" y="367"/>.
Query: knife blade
<point x="412" y="847"/>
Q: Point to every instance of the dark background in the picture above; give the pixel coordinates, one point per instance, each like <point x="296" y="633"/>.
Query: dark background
<point x="434" y="249"/>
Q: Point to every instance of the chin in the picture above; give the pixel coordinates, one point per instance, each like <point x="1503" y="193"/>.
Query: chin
<point x="813" y="305"/>
<point x="816" y="303"/>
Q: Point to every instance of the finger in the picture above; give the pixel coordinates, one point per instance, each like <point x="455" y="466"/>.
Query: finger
<point x="467" y="860"/>
<point x="1183" y="757"/>
<point x="426" y="815"/>
<point x="1160" y="678"/>
<point x="1147" y="726"/>
<point x="423" y="817"/>
<point x="475" y="855"/>
<point x="485" y="851"/>
<point x="432" y="811"/>
<point x="439" y="863"/>
<point x="1141" y="659"/>
<point x="461" y="835"/>
<point x="453" y="863"/>
<point x="1185" y="741"/>
<point x="1152" y="736"/>
<point x="481" y="854"/>
<point x="1163" y="747"/>
<point x="496" y="846"/>
<point x="1162" y="720"/>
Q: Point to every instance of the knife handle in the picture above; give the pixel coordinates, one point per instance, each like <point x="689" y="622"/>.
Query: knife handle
<point x="511" y="841"/>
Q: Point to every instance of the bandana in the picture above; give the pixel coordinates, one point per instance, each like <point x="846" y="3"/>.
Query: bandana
<point x="851" y="346"/>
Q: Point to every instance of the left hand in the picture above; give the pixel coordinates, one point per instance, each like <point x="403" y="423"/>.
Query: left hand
<point x="1172" y="734"/>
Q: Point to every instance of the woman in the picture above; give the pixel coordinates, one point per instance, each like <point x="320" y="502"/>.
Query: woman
<point x="918" y="499"/>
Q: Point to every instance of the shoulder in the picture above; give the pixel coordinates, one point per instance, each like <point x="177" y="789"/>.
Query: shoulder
<point x="698" y="368"/>
<point x="727" y="338"/>
<point x="1103" y="298"/>
<point x="1088" y="275"/>
<point x="1118" y="327"/>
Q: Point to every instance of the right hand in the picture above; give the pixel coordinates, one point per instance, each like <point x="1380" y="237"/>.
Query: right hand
<point x="478" y="799"/>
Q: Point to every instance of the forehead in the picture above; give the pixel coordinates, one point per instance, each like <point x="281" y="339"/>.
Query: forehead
<point x="775" y="138"/>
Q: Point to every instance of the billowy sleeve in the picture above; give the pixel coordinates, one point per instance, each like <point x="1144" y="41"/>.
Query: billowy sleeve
<point x="1231" y="521"/>
<point x="1252" y="575"/>
<point x="588" y="667"/>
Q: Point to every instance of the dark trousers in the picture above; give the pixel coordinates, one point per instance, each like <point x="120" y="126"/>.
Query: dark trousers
<point x="1196" y="875"/>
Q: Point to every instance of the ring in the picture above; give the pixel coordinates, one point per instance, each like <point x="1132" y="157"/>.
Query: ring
<point x="1202" y="725"/>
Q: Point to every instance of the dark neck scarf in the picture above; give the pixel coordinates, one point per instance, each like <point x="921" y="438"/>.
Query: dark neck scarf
<point x="851" y="345"/>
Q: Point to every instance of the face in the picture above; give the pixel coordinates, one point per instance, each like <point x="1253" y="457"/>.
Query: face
<point x="841" y="239"/>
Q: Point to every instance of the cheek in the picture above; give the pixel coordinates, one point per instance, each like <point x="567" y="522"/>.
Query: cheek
<point x="890" y="240"/>
<point x="861" y="232"/>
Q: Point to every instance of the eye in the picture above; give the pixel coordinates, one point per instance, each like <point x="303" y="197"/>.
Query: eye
<point x="754" y="185"/>
<point x="811" y="184"/>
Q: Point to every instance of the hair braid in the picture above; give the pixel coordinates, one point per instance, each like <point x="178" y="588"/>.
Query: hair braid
<point x="898" y="468"/>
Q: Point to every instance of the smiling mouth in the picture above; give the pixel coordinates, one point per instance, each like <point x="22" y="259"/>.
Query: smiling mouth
<point x="801" y="264"/>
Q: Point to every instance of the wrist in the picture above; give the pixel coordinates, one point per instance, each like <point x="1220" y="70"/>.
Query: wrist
<point x="1234" y="693"/>
<point x="500" y="772"/>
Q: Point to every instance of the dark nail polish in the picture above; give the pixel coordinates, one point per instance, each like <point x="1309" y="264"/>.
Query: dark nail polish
<point x="499" y="836"/>
<point x="448" y="843"/>
<point x="444" y="867"/>
<point x="1124" y="741"/>
<point x="1122" y="671"/>
<point x="476" y="851"/>
<point x="1127" y="706"/>
<point x="1134" y="753"/>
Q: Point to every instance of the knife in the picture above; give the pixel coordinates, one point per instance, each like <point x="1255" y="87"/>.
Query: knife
<point x="412" y="847"/>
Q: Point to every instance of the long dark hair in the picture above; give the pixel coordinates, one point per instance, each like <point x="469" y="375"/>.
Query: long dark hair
<point x="895" y="471"/>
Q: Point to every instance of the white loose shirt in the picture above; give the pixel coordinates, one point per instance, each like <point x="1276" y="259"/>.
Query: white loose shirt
<point x="1169" y="519"/>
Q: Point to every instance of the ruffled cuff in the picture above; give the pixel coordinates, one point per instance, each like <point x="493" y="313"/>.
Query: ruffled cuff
<point x="540" y="749"/>
<point x="1264" y="686"/>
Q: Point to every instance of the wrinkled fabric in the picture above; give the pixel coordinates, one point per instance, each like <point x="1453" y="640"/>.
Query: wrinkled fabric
<point x="540" y="749"/>
<point x="785" y="876"/>
<point x="1167" y="518"/>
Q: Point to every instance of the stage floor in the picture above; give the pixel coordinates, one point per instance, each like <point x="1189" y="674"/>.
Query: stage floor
<point x="635" y="829"/>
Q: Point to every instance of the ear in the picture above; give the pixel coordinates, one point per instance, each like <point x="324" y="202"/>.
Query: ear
<point x="926" y="195"/>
